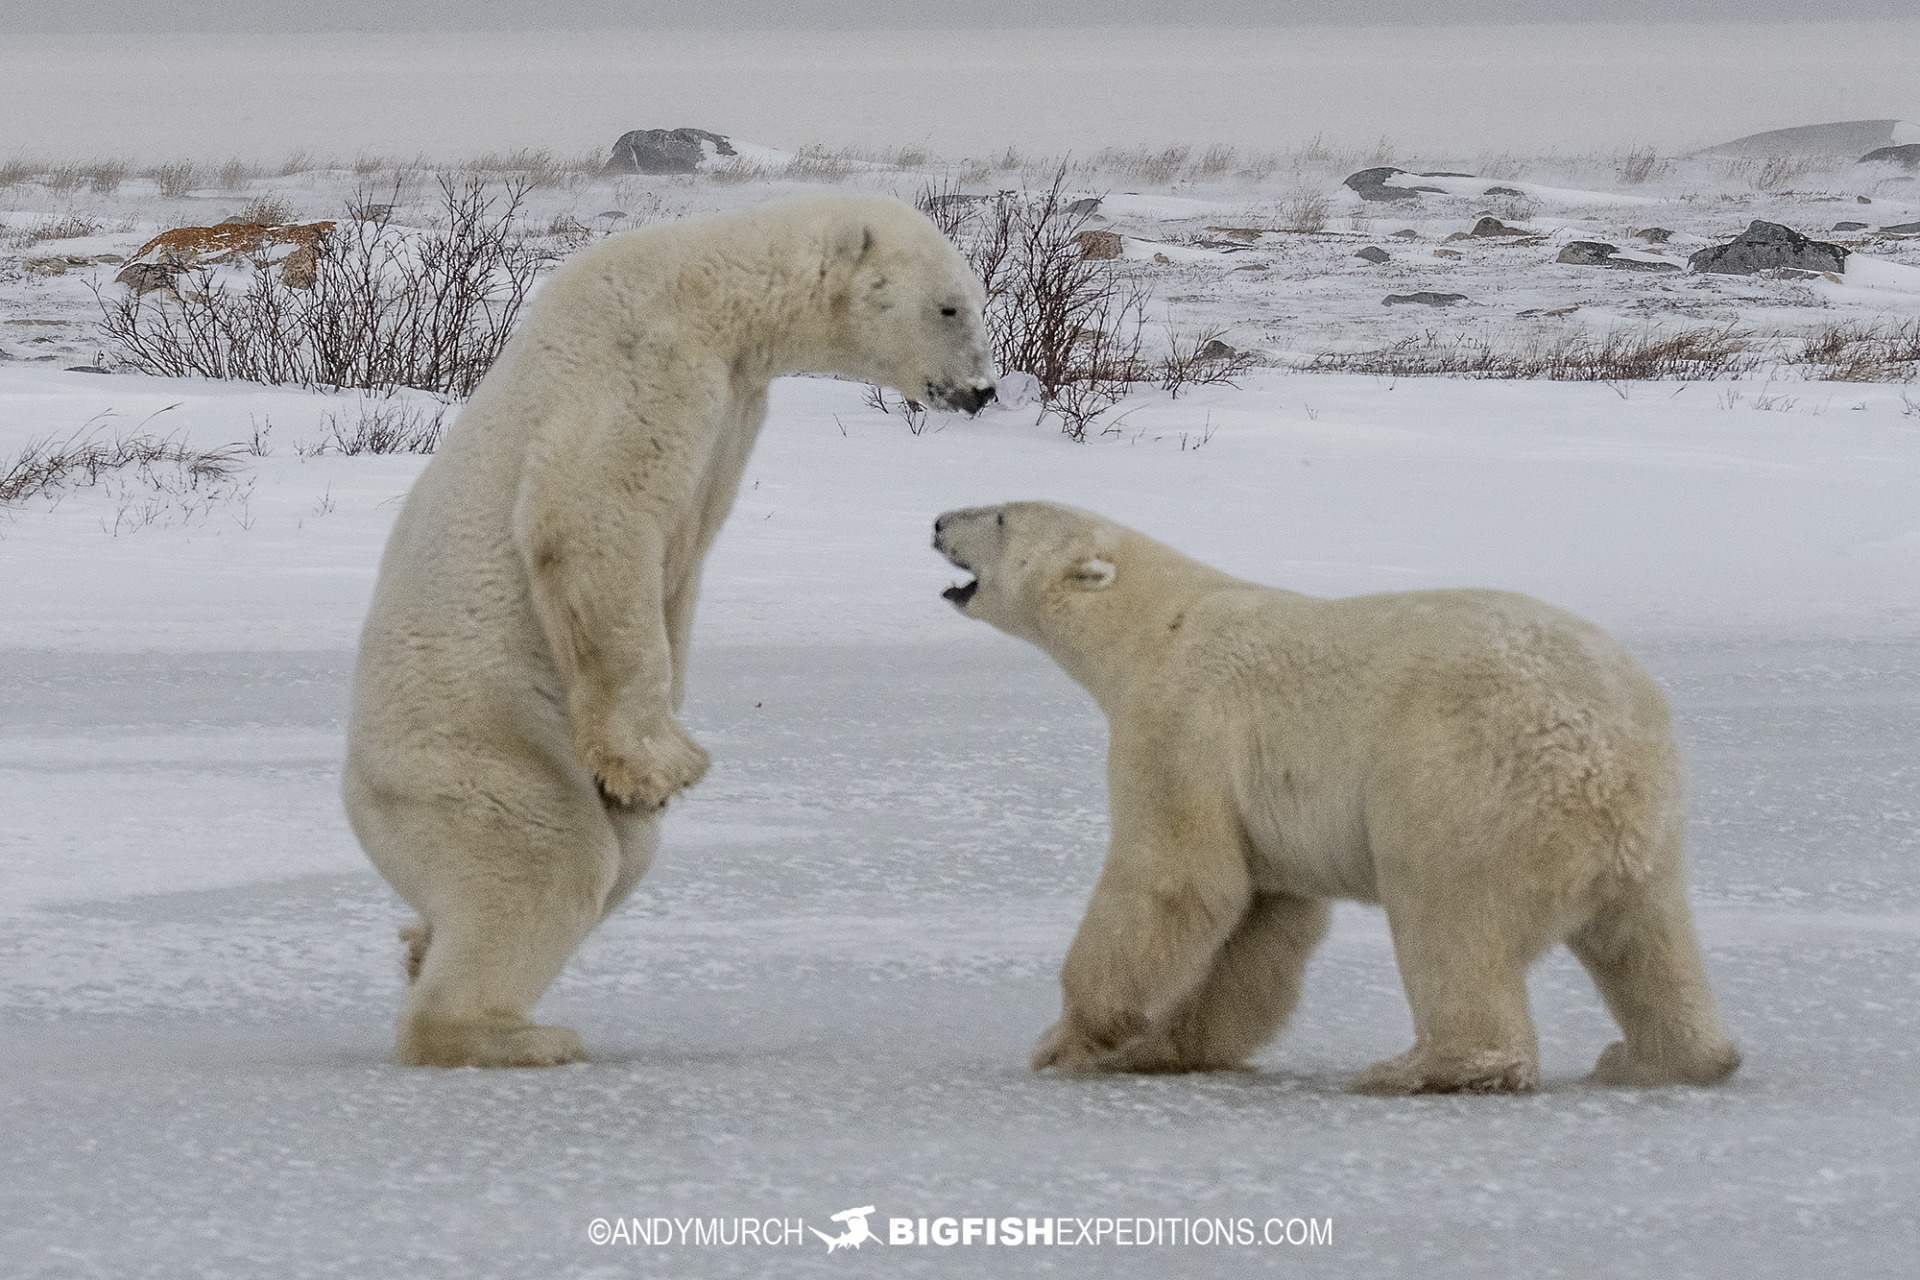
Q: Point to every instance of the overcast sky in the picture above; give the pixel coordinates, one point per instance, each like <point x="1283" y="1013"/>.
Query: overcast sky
<point x="470" y="15"/>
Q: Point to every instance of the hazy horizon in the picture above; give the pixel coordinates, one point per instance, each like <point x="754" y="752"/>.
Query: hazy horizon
<point x="1432" y="91"/>
<point x="141" y="16"/>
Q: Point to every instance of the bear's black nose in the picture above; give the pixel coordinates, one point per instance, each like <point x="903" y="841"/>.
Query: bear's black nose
<point x="982" y="397"/>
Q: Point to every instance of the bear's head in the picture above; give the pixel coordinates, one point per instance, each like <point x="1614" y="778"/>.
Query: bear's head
<point x="905" y="306"/>
<point x="1039" y="568"/>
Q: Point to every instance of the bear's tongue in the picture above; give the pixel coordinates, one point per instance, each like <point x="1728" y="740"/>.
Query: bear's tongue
<point x="961" y="594"/>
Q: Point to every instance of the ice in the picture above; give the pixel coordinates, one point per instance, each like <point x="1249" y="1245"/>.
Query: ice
<point x="823" y="994"/>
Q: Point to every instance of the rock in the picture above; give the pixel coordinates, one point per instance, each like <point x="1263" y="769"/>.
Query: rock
<point x="1903" y="229"/>
<point x="370" y="212"/>
<point x="1907" y="156"/>
<point x="1163" y="259"/>
<point x="1373" y="254"/>
<point x="664" y="151"/>
<point x="1654" y="235"/>
<point x="1406" y="233"/>
<point x="1766" y="246"/>
<point x="44" y="266"/>
<point x="1424" y="298"/>
<point x="1587" y="253"/>
<point x="1100" y="244"/>
<point x="1448" y="253"/>
<point x="147" y="277"/>
<point x="299" y="269"/>
<point x="1215" y="350"/>
<point x="1639" y="264"/>
<point x="1246" y="235"/>
<point x="1863" y="200"/>
<point x="1504" y="191"/>
<point x="209" y="246"/>
<point x="1849" y="226"/>
<point x="1082" y="207"/>
<point x="1491" y="226"/>
<point x="1372" y="184"/>
<point x="1841" y="138"/>
<point x="87" y="368"/>
<point x="1460" y="235"/>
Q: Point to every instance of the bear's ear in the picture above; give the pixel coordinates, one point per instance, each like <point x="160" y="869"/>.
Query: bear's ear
<point x="1092" y="575"/>
<point x="853" y="243"/>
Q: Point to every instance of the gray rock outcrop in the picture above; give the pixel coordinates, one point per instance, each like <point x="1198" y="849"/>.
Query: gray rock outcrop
<point x="1587" y="253"/>
<point x="1425" y="298"/>
<point x="664" y="151"/>
<point x="1376" y="184"/>
<point x="1907" y="156"/>
<point x="1768" y="246"/>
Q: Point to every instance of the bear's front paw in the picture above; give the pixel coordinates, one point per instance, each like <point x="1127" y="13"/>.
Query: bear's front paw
<point x="649" y="768"/>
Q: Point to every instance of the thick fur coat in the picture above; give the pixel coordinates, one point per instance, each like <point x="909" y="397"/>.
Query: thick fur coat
<point x="1495" y="773"/>
<point x="515" y="731"/>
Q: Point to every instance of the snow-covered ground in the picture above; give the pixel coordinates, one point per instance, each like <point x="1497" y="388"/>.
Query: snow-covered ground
<point x="1258" y="245"/>
<point x="822" y="996"/>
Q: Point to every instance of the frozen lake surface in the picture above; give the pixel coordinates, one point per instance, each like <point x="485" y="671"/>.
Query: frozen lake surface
<point x="823" y="995"/>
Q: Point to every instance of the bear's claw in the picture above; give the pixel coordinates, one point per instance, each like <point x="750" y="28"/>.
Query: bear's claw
<point x="659" y="765"/>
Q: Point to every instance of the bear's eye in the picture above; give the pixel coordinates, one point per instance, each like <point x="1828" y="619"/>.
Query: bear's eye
<point x="949" y="311"/>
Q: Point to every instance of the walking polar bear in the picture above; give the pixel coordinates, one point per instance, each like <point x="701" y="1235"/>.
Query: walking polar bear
<point x="1496" y="773"/>
<point x="514" y="729"/>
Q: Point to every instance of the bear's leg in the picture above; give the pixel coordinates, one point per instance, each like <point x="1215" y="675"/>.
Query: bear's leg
<point x="1642" y="954"/>
<point x="1463" y="959"/>
<point x="506" y="892"/>
<point x="1173" y="889"/>
<point x="1246" y="998"/>
<point x="600" y="595"/>
<point x="639" y="836"/>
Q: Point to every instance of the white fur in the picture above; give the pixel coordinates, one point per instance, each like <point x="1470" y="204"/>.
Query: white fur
<point x="1496" y="773"/>
<point x="514" y="731"/>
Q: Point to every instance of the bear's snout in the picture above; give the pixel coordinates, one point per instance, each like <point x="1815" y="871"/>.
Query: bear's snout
<point x="967" y="399"/>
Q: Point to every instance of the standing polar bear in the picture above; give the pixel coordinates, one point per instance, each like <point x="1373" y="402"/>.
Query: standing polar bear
<point x="1496" y="773"/>
<point x="514" y="730"/>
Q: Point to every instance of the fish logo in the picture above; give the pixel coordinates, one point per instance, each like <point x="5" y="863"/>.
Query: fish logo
<point x="856" y="1233"/>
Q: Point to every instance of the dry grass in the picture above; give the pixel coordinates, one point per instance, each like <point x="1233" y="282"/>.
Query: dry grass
<point x="1304" y="212"/>
<point x="1200" y="359"/>
<point x="1641" y="165"/>
<point x="392" y="426"/>
<point x="1617" y="356"/>
<point x="1864" y="352"/>
<point x="267" y="210"/>
<point x="84" y="459"/>
<point x="174" y="180"/>
<point x="68" y="226"/>
<point x="537" y="165"/>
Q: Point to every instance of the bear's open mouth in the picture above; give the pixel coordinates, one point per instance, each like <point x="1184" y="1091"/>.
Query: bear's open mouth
<point x="960" y="592"/>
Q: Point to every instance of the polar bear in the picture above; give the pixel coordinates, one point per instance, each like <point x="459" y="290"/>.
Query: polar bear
<point x="514" y="731"/>
<point x="1497" y="774"/>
